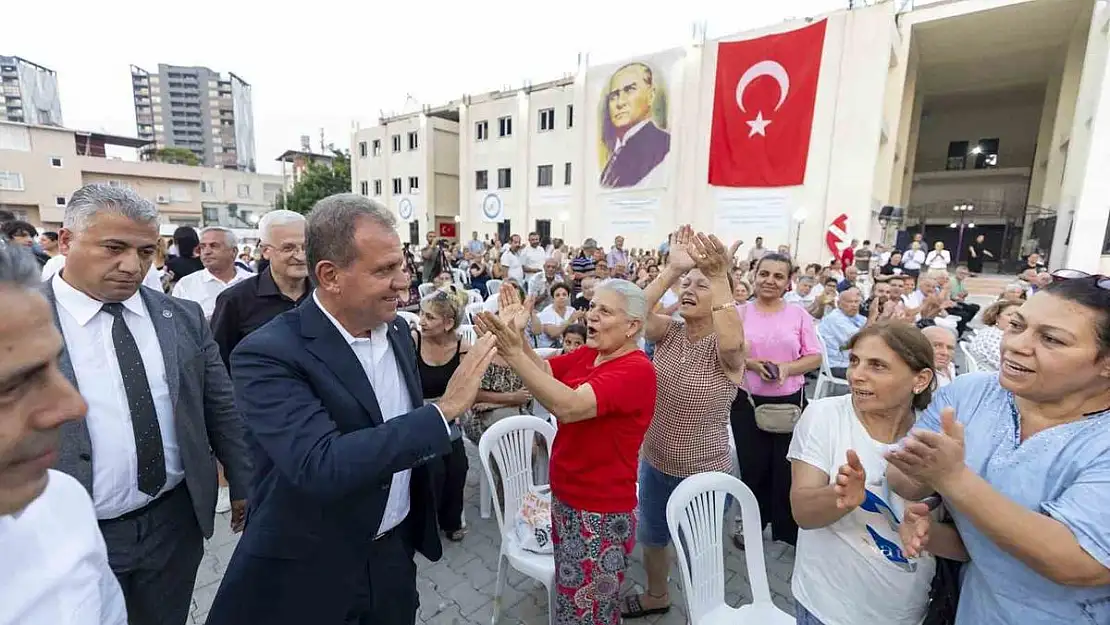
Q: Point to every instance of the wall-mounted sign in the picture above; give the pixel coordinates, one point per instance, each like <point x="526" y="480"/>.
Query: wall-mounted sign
<point x="492" y="208"/>
<point x="404" y="209"/>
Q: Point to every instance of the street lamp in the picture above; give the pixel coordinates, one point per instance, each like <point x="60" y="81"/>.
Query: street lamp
<point x="963" y="211"/>
<point x="564" y="217"/>
<point x="799" y="219"/>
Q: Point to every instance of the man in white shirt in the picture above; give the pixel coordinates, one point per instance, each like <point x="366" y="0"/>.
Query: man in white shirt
<point x="532" y="257"/>
<point x="153" y="278"/>
<point x="218" y="248"/>
<point x="53" y="563"/>
<point x="510" y="260"/>
<point x="802" y="294"/>
<point x="944" y="353"/>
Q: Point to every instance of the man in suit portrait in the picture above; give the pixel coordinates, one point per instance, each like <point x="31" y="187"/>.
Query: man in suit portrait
<point x="636" y="145"/>
<point x="343" y="445"/>
<point x="160" y="403"/>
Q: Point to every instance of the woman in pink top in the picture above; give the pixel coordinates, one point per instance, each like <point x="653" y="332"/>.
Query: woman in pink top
<point x="782" y="348"/>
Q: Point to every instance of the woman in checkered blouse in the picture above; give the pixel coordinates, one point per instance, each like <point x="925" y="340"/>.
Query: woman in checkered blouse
<point x="698" y="365"/>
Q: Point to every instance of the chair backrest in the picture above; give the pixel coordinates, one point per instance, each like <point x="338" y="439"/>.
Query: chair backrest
<point x="970" y="363"/>
<point x="509" y="443"/>
<point x="474" y="296"/>
<point x="472" y="310"/>
<point x="697" y="516"/>
<point x="467" y="333"/>
<point x="492" y="287"/>
<point x="411" y="318"/>
<point x="461" y="277"/>
<point x="425" y="289"/>
<point x="825" y="370"/>
<point x="547" y="352"/>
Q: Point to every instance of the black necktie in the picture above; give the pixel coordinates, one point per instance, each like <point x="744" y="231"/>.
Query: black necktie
<point x="144" y="419"/>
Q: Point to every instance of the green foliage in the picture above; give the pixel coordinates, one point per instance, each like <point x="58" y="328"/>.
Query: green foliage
<point x="316" y="183"/>
<point x="175" y="156"/>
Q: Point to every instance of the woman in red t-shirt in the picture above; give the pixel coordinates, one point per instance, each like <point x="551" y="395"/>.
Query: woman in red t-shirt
<point x="603" y="395"/>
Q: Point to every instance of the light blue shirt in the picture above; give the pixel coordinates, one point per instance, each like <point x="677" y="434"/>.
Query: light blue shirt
<point x="835" y="329"/>
<point x="1062" y="472"/>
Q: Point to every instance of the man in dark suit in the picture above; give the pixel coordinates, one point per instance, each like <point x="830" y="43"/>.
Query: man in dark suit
<point x="342" y="494"/>
<point x="160" y="402"/>
<point x="636" y="145"/>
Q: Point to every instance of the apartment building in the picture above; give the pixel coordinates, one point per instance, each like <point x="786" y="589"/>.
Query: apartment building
<point x="40" y="166"/>
<point x="197" y="109"/>
<point x="28" y="93"/>
<point x="410" y="163"/>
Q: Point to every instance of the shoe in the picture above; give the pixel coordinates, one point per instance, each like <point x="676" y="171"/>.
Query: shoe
<point x="223" y="501"/>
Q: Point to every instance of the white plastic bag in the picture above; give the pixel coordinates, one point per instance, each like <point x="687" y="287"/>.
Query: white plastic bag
<point x="533" y="522"/>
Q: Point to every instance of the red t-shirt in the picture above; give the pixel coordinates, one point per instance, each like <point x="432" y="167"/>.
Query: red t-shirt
<point x="847" y="258"/>
<point x="594" y="462"/>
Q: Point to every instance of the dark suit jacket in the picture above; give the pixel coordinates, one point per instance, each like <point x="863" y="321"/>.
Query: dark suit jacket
<point x="205" y="417"/>
<point x="643" y="152"/>
<point x="324" y="462"/>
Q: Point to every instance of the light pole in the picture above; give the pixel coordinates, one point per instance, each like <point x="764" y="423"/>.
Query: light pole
<point x="964" y="211"/>
<point x="564" y="217"/>
<point x="799" y="219"/>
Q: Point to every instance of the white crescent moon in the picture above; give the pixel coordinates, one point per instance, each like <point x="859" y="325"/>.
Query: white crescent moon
<point x="764" y="68"/>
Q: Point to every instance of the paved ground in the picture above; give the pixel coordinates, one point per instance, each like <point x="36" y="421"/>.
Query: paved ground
<point x="459" y="588"/>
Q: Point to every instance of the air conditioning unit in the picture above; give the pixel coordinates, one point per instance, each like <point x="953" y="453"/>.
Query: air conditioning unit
<point x="162" y="199"/>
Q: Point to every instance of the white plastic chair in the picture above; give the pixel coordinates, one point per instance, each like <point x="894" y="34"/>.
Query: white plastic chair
<point x="493" y="287"/>
<point x="547" y="352"/>
<point x="411" y="318"/>
<point x="460" y="276"/>
<point x="509" y="443"/>
<point x="474" y="296"/>
<point x="696" y="517"/>
<point x="467" y="333"/>
<point x="970" y="364"/>
<point x="472" y="310"/>
<point x="825" y="378"/>
<point x="425" y="289"/>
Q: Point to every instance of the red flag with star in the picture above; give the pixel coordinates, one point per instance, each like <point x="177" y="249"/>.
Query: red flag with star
<point x="763" y="108"/>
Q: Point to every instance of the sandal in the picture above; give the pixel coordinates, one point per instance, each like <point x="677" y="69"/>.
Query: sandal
<point x="738" y="539"/>
<point x="632" y="608"/>
<point x="456" y="536"/>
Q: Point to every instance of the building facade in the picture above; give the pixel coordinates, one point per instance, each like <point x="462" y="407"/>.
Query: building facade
<point x="196" y="109"/>
<point x="40" y="166"/>
<point x="28" y="93"/>
<point x="953" y="118"/>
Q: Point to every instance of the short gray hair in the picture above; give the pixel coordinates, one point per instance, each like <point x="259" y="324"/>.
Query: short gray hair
<point x="18" y="268"/>
<point x="229" y="236"/>
<point x="330" y="231"/>
<point x="93" y="199"/>
<point x="274" y="219"/>
<point x="635" y="303"/>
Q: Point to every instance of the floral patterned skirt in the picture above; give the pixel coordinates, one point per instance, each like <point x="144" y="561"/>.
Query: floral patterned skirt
<point x="591" y="555"/>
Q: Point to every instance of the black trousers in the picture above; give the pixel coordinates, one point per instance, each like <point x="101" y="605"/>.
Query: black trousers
<point x="965" y="312"/>
<point x="155" y="554"/>
<point x="763" y="464"/>
<point x="455" y="466"/>
<point x="391" y="582"/>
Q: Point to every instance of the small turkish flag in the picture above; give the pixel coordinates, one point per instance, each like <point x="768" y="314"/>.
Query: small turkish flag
<point x="763" y="108"/>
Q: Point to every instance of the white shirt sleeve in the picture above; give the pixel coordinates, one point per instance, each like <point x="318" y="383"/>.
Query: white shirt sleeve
<point x="113" y="608"/>
<point x="812" y="441"/>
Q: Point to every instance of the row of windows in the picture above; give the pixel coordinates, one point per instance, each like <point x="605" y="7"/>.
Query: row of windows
<point x="505" y="124"/>
<point x="376" y="145"/>
<point x="414" y="186"/>
<point x="545" y="177"/>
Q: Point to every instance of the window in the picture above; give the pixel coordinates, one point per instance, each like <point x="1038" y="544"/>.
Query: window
<point x="207" y="186"/>
<point x="547" y="119"/>
<point x="986" y="153"/>
<point x="505" y="126"/>
<point x="377" y="187"/>
<point x="396" y="186"/>
<point x="396" y="143"/>
<point x="270" y="192"/>
<point x="544" y="176"/>
<point x="957" y="156"/>
<point x="504" y="230"/>
<point x="570" y="116"/>
<point x="505" y="178"/>
<point x="11" y="181"/>
<point x="414" y="184"/>
<point x="211" y="215"/>
<point x="481" y="130"/>
<point x="566" y="174"/>
<point x="59" y="200"/>
<point x="364" y="187"/>
<point x="414" y="140"/>
<point x="56" y="161"/>
<point x="543" y="228"/>
<point x="414" y="233"/>
<point x="481" y="179"/>
<point x="362" y="149"/>
<point x="244" y="190"/>
<point x="376" y="146"/>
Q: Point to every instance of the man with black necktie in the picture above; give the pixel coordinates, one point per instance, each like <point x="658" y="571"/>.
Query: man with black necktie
<point x="160" y="403"/>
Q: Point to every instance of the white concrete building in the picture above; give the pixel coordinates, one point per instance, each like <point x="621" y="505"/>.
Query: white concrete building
<point x="951" y="112"/>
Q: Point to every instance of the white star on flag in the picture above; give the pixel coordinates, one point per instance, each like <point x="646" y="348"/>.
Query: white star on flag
<point x="758" y="125"/>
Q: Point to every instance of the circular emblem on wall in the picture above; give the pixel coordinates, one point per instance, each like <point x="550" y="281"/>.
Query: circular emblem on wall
<point x="492" y="207"/>
<point x="404" y="208"/>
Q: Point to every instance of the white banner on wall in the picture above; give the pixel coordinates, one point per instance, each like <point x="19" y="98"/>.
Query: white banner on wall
<point x="406" y="209"/>
<point x="749" y="213"/>
<point x="628" y="217"/>
<point x="492" y="207"/>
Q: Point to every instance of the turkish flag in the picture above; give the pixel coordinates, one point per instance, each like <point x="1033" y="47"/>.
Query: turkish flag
<point x="763" y="108"/>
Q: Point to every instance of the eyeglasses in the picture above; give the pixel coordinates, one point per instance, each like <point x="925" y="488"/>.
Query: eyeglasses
<point x="1101" y="281"/>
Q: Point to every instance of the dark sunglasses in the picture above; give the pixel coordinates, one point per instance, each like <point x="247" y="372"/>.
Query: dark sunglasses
<point x="1101" y="281"/>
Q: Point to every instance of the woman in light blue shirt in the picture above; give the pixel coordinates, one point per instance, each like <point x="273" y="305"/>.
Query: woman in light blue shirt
<point x="1022" y="461"/>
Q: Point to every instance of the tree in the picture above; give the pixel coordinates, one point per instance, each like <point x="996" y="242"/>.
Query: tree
<point x="175" y="156"/>
<point x="318" y="181"/>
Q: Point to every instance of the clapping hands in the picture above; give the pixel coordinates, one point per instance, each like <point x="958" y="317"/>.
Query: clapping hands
<point x="851" y="483"/>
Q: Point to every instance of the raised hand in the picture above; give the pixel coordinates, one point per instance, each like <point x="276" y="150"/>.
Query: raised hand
<point x="508" y="339"/>
<point x="463" y="386"/>
<point x="710" y="255"/>
<point x="851" y="481"/>
<point x="914" y="530"/>
<point x="682" y="253"/>
<point x="933" y="458"/>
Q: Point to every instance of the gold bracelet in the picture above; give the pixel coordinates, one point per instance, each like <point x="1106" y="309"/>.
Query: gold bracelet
<point x="728" y="306"/>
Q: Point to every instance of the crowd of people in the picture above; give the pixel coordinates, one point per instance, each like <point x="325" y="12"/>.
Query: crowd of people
<point x="147" y="383"/>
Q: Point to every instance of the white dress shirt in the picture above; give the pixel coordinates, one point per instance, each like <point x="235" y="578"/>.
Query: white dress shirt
<point x="54" y="565"/>
<point x="203" y="288"/>
<point x="376" y="356"/>
<point x="514" y="269"/>
<point x="88" y="337"/>
<point x="153" y="278"/>
<point x="533" y="258"/>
